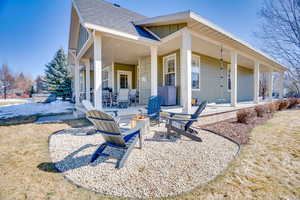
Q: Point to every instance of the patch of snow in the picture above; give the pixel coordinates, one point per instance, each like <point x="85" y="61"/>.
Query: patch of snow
<point x="28" y="109"/>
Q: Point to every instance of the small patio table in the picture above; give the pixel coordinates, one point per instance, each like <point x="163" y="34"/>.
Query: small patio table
<point x="141" y="119"/>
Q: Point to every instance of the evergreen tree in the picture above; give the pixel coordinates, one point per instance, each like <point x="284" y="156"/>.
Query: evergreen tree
<point x="57" y="75"/>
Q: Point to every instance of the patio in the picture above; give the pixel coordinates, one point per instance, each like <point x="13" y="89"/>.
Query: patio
<point x="178" y="166"/>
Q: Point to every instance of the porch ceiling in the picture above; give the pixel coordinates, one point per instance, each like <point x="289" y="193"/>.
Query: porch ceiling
<point x="119" y="51"/>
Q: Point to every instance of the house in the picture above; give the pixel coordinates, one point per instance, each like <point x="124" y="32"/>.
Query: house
<point x="111" y="46"/>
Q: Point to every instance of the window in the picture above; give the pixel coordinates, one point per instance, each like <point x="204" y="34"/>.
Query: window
<point x="196" y="72"/>
<point x="123" y="81"/>
<point x="105" y="78"/>
<point x="228" y="78"/>
<point x="169" y="63"/>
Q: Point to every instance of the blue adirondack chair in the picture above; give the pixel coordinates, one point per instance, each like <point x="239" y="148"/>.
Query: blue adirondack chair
<point x="124" y="142"/>
<point x="153" y="108"/>
<point x="183" y="122"/>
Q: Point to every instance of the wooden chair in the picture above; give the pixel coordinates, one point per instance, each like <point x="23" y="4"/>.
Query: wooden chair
<point x="181" y="123"/>
<point x="153" y="109"/>
<point x="133" y="97"/>
<point x="123" y="142"/>
<point x="123" y="98"/>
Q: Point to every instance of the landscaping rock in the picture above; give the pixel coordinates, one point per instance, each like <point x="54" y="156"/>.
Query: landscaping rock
<point x="163" y="167"/>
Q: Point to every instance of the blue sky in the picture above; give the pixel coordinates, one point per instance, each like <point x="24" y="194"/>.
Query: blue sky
<point x="32" y="30"/>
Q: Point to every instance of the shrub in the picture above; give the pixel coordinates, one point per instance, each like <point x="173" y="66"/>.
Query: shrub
<point x="245" y="116"/>
<point x="277" y="105"/>
<point x="261" y="110"/>
<point x="272" y="107"/>
<point x="293" y="102"/>
<point x="284" y="104"/>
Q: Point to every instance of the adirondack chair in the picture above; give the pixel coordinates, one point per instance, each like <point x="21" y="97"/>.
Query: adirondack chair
<point x="181" y="123"/>
<point x="153" y="108"/>
<point x="114" y="138"/>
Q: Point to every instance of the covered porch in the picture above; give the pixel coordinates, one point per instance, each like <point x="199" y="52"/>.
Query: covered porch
<point x="203" y="69"/>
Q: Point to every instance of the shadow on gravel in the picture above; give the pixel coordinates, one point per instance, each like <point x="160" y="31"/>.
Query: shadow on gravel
<point x="48" y="167"/>
<point x="71" y="162"/>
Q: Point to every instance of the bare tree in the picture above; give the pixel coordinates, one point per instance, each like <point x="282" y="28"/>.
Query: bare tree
<point x="7" y="79"/>
<point x="280" y="36"/>
<point x="23" y="83"/>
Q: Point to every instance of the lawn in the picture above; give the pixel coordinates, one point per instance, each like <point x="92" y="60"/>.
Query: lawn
<point x="267" y="167"/>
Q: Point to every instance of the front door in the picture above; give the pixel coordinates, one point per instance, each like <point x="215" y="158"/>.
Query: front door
<point x="124" y="80"/>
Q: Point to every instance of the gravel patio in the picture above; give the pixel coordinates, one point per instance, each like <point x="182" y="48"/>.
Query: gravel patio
<point x="164" y="167"/>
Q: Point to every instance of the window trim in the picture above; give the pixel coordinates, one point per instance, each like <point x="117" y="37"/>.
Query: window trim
<point x="175" y="66"/>
<point x="199" y="59"/>
<point x="129" y="74"/>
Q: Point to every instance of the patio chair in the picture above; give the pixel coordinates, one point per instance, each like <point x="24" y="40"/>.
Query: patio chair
<point x="106" y="98"/>
<point x="123" y="142"/>
<point x="123" y="98"/>
<point x="153" y="108"/>
<point x="133" y="97"/>
<point x="181" y="123"/>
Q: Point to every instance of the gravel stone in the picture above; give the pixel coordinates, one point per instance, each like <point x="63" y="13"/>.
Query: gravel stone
<point x="162" y="168"/>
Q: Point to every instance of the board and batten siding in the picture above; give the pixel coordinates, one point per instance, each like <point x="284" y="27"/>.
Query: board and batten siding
<point x="211" y="81"/>
<point x="160" y="69"/>
<point x="245" y="90"/>
<point x="83" y="37"/>
<point x="165" y="30"/>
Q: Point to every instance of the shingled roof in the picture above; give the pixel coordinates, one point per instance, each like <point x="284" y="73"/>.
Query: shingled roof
<point x="103" y="13"/>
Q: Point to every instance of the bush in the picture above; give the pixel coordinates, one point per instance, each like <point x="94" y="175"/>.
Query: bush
<point x="293" y="102"/>
<point x="245" y="116"/>
<point x="284" y="104"/>
<point x="277" y="105"/>
<point x="272" y="107"/>
<point x="261" y="110"/>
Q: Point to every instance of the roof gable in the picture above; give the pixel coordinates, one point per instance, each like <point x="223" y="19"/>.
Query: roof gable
<point x="102" y="13"/>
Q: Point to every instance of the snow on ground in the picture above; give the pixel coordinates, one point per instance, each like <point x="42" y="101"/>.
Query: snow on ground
<point x="32" y="108"/>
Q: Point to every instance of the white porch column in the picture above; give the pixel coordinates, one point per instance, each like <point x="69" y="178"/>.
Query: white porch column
<point x="153" y="70"/>
<point x="270" y="84"/>
<point x="113" y="76"/>
<point x="98" y="71"/>
<point x="281" y="81"/>
<point x="88" y="79"/>
<point x="77" y="82"/>
<point x="233" y="77"/>
<point x="186" y="71"/>
<point x="256" y="83"/>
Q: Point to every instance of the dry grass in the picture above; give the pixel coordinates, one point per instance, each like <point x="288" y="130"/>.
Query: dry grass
<point x="267" y="168"/>
<point x="3" y="103"/>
